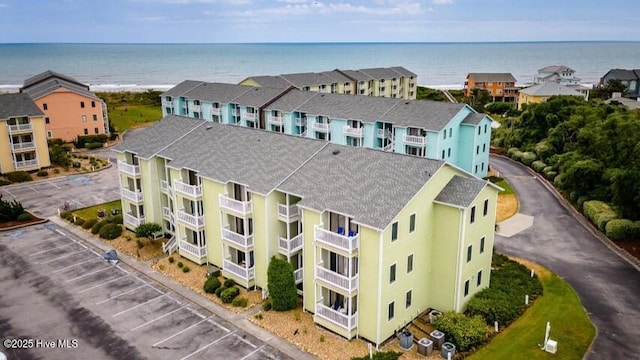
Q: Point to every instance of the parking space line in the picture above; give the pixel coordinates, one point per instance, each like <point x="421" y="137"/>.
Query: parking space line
<point x="245" y="341"/>
<point x="179" y="332"/>
<point x="70" y="266"/>
<point x="137" y="306"/>
<point x="158" y="318"/>
<point x="60" y="257"/>
<point x="31" y="187"/>
<point x="54" y="185"/>
<point x="55" y="248"/>
<point x="102" y="283"/>
<point x="206" y="346"/>
<point x="220" y="326"/>
<point x="36" y="244"/>
<point x="124" y="293"/>
<point x="253" y="352"/>
<point x="9" y="192"/>
<point x="89" y="274"/>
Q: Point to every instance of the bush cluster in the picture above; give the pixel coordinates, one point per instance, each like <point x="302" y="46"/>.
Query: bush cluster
<point x="538" y="166"/>
<point x="89" y="224"/>
<point x="55" y="141"/>
<point x="110" y="231"/>
<point x="382" y="355"/>
<point x="18" y="176"/>
<point x="42" y="173"/>
<point x="96" y="228"/>
<point x="281" y="284"/>
<point x="599" y="213"/>
<point x="82" y="141"/>
<point x="228" y="294"/>
<point x="462" y="330"/>
<point x="267" y="305"/>
<point x="211" y="285"/>
<point x="94" y="145"/>
<point x="623" y="229"/>
<point x="229" y="283"/>
<point x="147" y="229"/>
<point x="10" y="210"/>
<point x="79" y="221"/>
<point x="240" y="302"/>
<point x="4" y="182"/>
<point x="25" y="216"/>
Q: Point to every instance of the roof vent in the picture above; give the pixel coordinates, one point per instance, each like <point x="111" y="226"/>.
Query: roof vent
<point x="407" y="103"/>
<point x="335" y="152"/>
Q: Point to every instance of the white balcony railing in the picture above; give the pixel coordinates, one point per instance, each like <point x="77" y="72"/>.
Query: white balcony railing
<point x="26" y="163"/>
<point x="322" y="127"/>
<point x="20" y="127"/>
<point x="343" y="282"/>
<point x="414" y="140"/>
<point x="297" y="275"/>
<point x="351" y="131"/>
<point x="167" y="214"/>
<point x="240" y="271"/>
<point x="247" y="116"/>
<point x="290" y="246"/>
<point x="288" y="213"/>
<point x="164" y="186"/>
<point x="215" y="111"/>
<point x="235" y="112"/>
<point x="345" y="321"/>
<point x="190" y="220"/>
<point x="196" y="251"/>
<point x="384" y="133"/>
<point x="276" y="120"/>
<point x="135" y="196"/>
<point x="167" y="104"/>
<point x="338" y="241"/>
<point x="245" y="241"/>
<point x="241" y="207"/>
<point x="133" y="220"/>
<point x="24" y="145"/>
<point x="300" y="121"/>
<point x="192" y="191"/>
<point x="131" y="170"/>
<point x="196" y="108"/>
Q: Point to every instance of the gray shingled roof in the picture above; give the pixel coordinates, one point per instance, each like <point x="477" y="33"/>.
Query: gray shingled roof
<point x="307" y="79"/>
<point x="358" y="75"/>
<point x="292" y="100"/>
<point x="154" y="138"/>
<point x="49" y="74"/>
<point x="623" y="74"/>
<point x="461" y="191"/>
<point x="182" y="88"/>
<point x="369" y="185"/>
<point x="430" y="115"/>
<point x="556" y="68"/>
<point x="15" y="105"/>
<point x="473" y="118"/>
<point x="336" y="76"/>
<point x="269" y="81"/>
<point x="404" y="72"/>
<point x="382" y="73"/>
<point x="218" y="92"/>
<point x="549" y="89"/>
<point x="52" y="84"/>
<point x="257" y="96"/>
<point x="492" y="77"/>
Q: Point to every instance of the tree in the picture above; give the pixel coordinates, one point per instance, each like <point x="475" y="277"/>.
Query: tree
<point x="281" y="284"/>
<point x="10" y="210"/>
<point x="605" y="91"/>
<point x="478" y="100"/>
<point x="147" y="229"/>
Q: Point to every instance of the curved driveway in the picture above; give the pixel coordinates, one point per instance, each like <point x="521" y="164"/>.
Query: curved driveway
<point x="608" y="286"/>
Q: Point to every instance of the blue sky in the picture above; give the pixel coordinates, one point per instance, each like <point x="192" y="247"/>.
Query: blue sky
<point x="213" y="21"/>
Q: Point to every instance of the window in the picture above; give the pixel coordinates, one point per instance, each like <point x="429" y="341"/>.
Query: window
<point x="86" y="131"/>
<point x="473" y="210"/>
<point x="482" y="239"/>
<point x="476" y="168"/>
<point x="484" y="147"/>
<point x="46" y="120"/>
<point x="479" y="129"/>
<point x="84" y="118"/>
<point x="391" y="312"/>
<point x="93" y="104"/>
<point x="450" y="132"/>
<point x="409" y="263"/>
<point x="445" y="134"/>
<point x="482" y="166"/>
<point x="449" y="152"/>
<point x="82" y="104"/>
<point x="466" y="288"/>
<point x="49" y="134"/>
<point x="95" y="130"/>
<point x="485" y="207"/>
<point x="477" y="149"/>
<point x="95" y="117"/>
<point x="394" y="231"/>
<point x="392" y="274"/>
<point x="412" y="223"/>
<point x="407" y="301"/>
<point x="469" y="252"/>
<point x="442" y="154"/>
<point x="485" y="128"/>
<point x="479" y="280"/>
<point x="45" y="107"/>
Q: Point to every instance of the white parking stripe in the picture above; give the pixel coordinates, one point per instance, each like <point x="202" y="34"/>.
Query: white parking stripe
<point x="8" y="192"/>
<point x="206" y="346"/>
<point x="220" y="326"/>
<point x="245" y="341"/>
<point x="158" y="318"/>
<point x="179" y="332"/>
<point x="70" y="266"/>
<point x="31" y="187"/>
<point x="54" y="248"/>
<point x="88" y="274"/>
<point x="254" y="351"/>
<point x="54" y="185"/>
<point x="124" y="293"/>
<point x="102" y="283"/>
<point x="137" y="306"/>
<point x="59" y="257"/>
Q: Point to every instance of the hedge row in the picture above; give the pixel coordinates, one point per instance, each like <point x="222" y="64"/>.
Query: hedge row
<point x="623" y="229"/>
<point x="464" y="331"/>
<point x="599" y="213"/>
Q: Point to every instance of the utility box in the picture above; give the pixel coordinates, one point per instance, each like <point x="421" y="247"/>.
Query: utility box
<point x="433" y="315"/>
<point x="551" y="346"/>
<point x="448" y="351"/>
<point x="406" y="339"/>
<point x="438" y="338"/>
<point x="425" y="347"/>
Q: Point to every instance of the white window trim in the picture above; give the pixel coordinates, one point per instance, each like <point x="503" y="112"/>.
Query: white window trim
<point x="478" y="276"/>
<point x="396" y="273"/>
<point x="483" y="201"/>
<point x="413" y="262"/>
<point x="469" y="287"/>
<point x="480" y="247"/>
<point x="405" y="299"/>
<point x="415" y="222"/>
<point x="394" y="311"/>
<point x="467" y="257"/>
<point x="397" y="232"/>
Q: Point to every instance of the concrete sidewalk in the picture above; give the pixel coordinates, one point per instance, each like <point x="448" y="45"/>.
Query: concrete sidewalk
<point x="239" y="320"/>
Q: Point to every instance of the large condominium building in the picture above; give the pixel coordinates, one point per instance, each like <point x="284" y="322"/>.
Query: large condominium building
<point x="436" y="130"/>
<point x="70" y="109"/>
<point x="375" y="238"/>
<point x="392" y="82"/>
<point x="23" y="141"/>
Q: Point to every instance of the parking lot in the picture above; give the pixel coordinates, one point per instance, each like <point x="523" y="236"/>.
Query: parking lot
<point x="63" y="289"/>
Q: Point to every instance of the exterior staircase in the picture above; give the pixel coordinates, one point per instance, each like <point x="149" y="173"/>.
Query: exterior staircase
<point x="170" y="246"/>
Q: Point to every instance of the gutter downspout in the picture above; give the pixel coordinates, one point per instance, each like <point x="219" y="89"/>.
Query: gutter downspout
<point x="379" y="319"/>
<point x="463" y="217"/>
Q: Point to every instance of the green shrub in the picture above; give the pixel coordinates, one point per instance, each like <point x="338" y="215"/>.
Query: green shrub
<point x="267" y="305"/>
<point x="18" y="176"/>
<point x="211" y="285"/>
<point x="528" y="158"/>
<point x="229" y="294"/>
<point x="383" y="355"/>
<point x="4" y="182"/>
<point x="96" y="228"/>
<point x="240" y="302"/>
<point x="64" y="214"/>
<point x="512" y="151"/>
<point x="185" y="269"/>
<point x="147" y="229"/>
<point x="139" y="244"/>
<point x="55" y="141"/>
<point x="623" y="229"/>
<point x="10" y="210"/>
<point x="573" y="196"/>
<point x="56" y="171"/>
<point x="42" y="173"/>
<point x="495" y="179"/>
<point x="215" y="273"/>
<point x="463" y="331"/>
<point x="70" y="218"/>
<point x="92" y="146"/>
<point x="538" y="166"/>
<point x="117" y="219"/>
<point x="229" y="283"/>
<point x="79" y="221"/>
<point x="551" y="176"/>
<point x="171" y="259"/>
<point x="281" y="284"/>
<point x="544" y="150"/>
<point x="110" y="231"/>
<point x="547" y="169"/>
<point x="25" y="216"/>
<point x="599" y="213"/>
<point x="180" y="264"/>
<point x="89" y="223"/>
<point x="220" y="290"/>
<point x="517" y="156"/>
<point x="581" y="200"/>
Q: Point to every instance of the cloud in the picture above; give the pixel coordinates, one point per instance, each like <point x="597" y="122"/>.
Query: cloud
<point x="443" y="2"/>
<point x="230" y="2"/>
<point x="3" y="5"/>
<point x="302" y="7"/>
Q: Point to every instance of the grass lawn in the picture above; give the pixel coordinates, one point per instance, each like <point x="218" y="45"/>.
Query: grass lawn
<point x="92" y="211"/>
<point x="570" y="325"/>
<point x="507" y="188"/>
<point x="127" y="116"/>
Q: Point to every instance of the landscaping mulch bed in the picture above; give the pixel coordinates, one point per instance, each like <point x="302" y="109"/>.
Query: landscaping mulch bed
<point x="507" y="207"/>
<point x="10" y="225"/>
<point x="632" y="247"/>
<point x="128" y="244"/>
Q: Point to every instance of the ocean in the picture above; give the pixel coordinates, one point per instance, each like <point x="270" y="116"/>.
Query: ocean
<point x="108" y="67"/>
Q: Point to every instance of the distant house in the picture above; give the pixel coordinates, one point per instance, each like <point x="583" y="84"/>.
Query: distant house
<point x="23" y="144"/>
<point x="70" y="109"/>
<point x="559" y="74"/>
<point x="630" y="78"/>
<point x="542" y="92"/>
<point x="501" y="86"/>
<point x="616" y="98"/>
<point x="392" y="82"/>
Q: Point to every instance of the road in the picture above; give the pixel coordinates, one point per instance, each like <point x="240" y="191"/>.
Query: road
<point x="608" y="286"/>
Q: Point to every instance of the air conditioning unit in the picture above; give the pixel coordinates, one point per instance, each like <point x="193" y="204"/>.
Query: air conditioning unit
<point x="551" y="346"/>
<point x="433" y="314"/>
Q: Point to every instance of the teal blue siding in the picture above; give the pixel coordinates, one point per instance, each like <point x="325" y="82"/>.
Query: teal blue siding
<point x="370" y="139"/>
<point x="337" y="133"/>
<point x="398" y="144"/>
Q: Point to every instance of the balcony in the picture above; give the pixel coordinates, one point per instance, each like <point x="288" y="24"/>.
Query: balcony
<point x="195" y="222"/>
<point x="244" y="241"/>
<point x="297" y="275"/>
<point x="132" y="220"/>
<point x="26" y="163"/>
<point x="131" y="170"/>
<point x="235" y="112"/>
<point x="351" y="131"/>
<point x="290" y="246"/>
<point x="384" y="133"/>
<point x="20" y="128"/>
<point x="336" y="317"/>
<point x="215" y="111"/>
<point x="288" y="214"/>
<point x="301" y="121"/>
<point x="133" y="196"/>
<point x="167" y="214"/>
<point x="167" y="104"/>
<point x="414" y="140"/>
<point x="276" y="120"/>
<point x="247" y="116"/>
<point x="237" y="206"/>
<point x="196" y="108"/>
<point x="321" y="127"/>
<point x="191" y="250"/>
<point x="332" y="278"/>
<point x="242" y="272"/>
<point x="23" y="146"/>
<point x="164" y="186"/>
<point x="337" y="241"/>
<point x="192" y="191"/>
